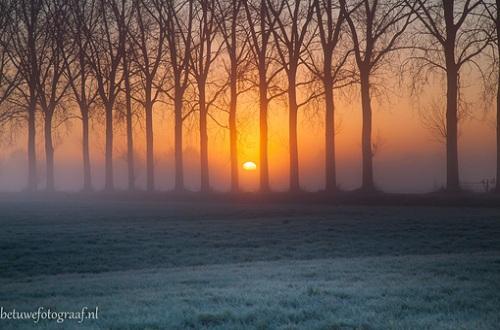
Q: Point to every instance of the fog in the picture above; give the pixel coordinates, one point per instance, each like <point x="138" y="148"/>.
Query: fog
<point x="408" y="157"/>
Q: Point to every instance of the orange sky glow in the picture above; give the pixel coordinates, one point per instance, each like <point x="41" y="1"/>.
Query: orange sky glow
<point x="408" y="158"/>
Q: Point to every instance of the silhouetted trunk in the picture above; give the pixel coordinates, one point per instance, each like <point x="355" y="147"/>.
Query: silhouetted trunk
<point x="130" y="136"/>
<point x="49" y="152"/>
<point x="32" y="173"/>
<point x="205" y="181"/>
<point x="130" y="150"/>
<point x="330" y="170"/>
<point x="263" y="102"/>
<point x="233" y="134"/>
<point x="179" y="166"/>
<point x="497" y="22"/>
<point x="366" y="134"/>
<point x="497" y="189"/>
<point x="150" y="185"/>
<point x="292" y="131"/>
<point x="87" y="177"/>
<point x="109" y="182"/>
<point x="452" y="176"/>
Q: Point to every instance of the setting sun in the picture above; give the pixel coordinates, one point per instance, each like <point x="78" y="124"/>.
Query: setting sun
<point x="249" y="166"/>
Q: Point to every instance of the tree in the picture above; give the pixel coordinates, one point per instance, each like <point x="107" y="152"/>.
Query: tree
<point x="376" y="28"/>
<point x="178" y="22"/>
<point x="8" y="74"/>
<point x="79" y="75"/>
<point x="292" y="26"/>
<point x="452" y="38"/>
<point x="9" y="77"/>
<point x="24" y="55"/>
<point x="492" y="13"/>
<point x="127" y="58"/>
<point x="203" y="54"/>
<point x="148" y="38"/>
<point x="106" y="38"/>
<point x="260" y="29"/>
<point x="329" y="70"/>
<point x="229" y="24"/>
<point x="126" y="89"/>
<point x="50" y="83"/>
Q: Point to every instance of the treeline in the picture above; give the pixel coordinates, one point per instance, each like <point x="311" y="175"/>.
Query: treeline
<point x="62" y="59"/>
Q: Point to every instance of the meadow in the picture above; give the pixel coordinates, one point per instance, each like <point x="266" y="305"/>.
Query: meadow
<point x="221" y="265"/>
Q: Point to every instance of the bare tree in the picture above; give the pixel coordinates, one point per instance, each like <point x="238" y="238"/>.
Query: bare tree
<point x="376" y="28"/>
<point x="260" y="30"/>
<point x="293" y="20"/>
<point x="24" y="52"/>
<point x="329" y="70"/>
<point x="10" y="114"/>
<point x="453" y="38"/>
<point x="492" y="13"/>
<point x="51" y="85"/>
<point x="127" y="58"/>
<point x="203" y="55"/>
<point x="148" y="38"/>
<point x="106" y="38"/>
<point x="178" y="22"/>
<point x="79" y="75"/>
<point x="126" y="88"/>
<point x="229" y="21"/>
<point x="8" y="74"/>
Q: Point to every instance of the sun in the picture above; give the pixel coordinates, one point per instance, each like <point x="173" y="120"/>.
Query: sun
<point x="249" y="166"/>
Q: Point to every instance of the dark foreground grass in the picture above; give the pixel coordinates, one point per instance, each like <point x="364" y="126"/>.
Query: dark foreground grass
<point x="413" y="292"/>
<point x="223" y="266"/>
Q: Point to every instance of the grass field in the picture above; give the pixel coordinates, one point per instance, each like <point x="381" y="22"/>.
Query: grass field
<point x="245" y="266"/>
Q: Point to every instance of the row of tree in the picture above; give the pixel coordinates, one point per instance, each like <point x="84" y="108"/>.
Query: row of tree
<point x="61" y="58"/>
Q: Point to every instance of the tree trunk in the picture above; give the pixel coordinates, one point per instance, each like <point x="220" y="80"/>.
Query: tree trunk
<point x="497" y="187"/>
<point x="292" y="132"/>
<point x="366" y="134"/>
<point x="32" y="173"/>
<point x="149" y="144"/>
<point x="109" y="182"/>
<point x="330" y="170"/>
<point x="130" y="131"/>
<point x="452" y="176"/>
<point x="49" y="152"/>
<point x="263" y="102"/>
<point x="130" y="148"/>
<point x="205" y="181"/>
<point x="179" y="167"/>
<point x="87" y="178"/>
<point x="233" y="134"/>
<point x="32" y="105"/>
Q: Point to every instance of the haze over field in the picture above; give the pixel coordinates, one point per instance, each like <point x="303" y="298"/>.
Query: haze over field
<point x="398" y="167"/>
